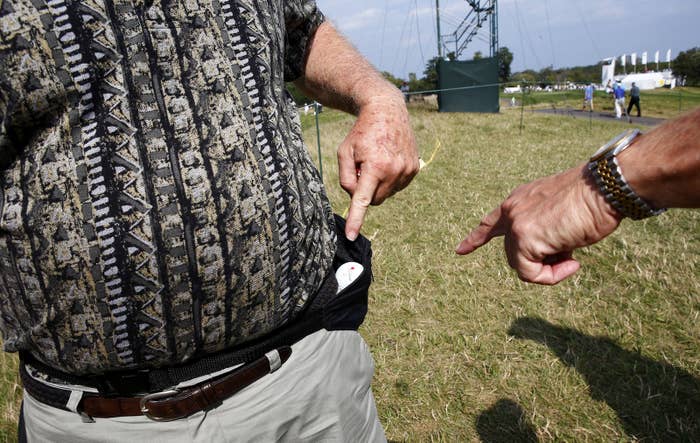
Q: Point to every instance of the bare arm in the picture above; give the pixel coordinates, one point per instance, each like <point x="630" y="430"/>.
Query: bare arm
<point x="378" y="157"/>
<point x="663" y="166"/>
<point x="544" y="221"/>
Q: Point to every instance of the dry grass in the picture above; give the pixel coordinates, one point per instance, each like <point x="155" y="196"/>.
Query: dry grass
<point x="465" y="351"/>
<point x="10" y="397"/>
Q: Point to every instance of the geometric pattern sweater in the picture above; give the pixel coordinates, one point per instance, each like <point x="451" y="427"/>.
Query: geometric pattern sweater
<point x="157" y="202"/>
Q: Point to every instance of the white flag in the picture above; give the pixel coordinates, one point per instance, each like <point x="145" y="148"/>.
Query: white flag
<point x="623" y="59"/>
<point x="668" y="56"/>
<point x="644" y="57"/>
<point x="633" y="59"/>
<point x="656" y="57"/>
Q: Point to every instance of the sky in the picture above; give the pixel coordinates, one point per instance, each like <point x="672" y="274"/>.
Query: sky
<point x="399" y="36"/>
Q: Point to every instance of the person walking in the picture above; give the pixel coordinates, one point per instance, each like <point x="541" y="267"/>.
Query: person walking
<point x="167" y="246"/>
<point x="619" y="95"/>
<point x="405" y="89"/>
<point x="634" y="100"/>
<point x="588" y="98"/>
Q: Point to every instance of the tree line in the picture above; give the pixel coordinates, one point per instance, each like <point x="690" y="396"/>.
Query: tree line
<point x="685" y="65"/>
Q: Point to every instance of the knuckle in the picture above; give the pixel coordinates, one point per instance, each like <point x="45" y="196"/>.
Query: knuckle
<point x="346" y="183"/>
<point x="384" y="164"/>
<point x="362" y="200"/>
<point x="508" y="206"/>
<point x="347" y="186"/>
<point x="522" y="229"/>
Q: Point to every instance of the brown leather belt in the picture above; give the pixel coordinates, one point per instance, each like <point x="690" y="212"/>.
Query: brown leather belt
<point x="175" y="404"/>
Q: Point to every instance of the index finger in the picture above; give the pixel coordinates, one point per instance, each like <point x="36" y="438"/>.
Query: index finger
<point x="491" y="226"/>
<point x="361" y="199"/>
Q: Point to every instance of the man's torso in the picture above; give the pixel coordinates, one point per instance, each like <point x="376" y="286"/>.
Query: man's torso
<point x="156" y="199"/>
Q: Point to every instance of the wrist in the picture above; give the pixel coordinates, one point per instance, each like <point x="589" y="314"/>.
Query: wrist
<point x="613" y="184"/>
<point x="645" y="177"/>
<point x="596" y="202"/>
<point x="382" y="93"/>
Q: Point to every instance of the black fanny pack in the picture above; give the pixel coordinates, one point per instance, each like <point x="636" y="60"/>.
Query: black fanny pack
<point x="346" y="310"/>
<point x="329" y="309"/>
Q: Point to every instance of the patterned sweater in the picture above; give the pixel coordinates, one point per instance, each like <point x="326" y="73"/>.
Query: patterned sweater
<point x="156" y="199"/>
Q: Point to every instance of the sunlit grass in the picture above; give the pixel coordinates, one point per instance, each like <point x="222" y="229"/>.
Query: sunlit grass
<point x="602" y="356"/>
<point x="660" y="103"/>
<point x="10" y="397"/>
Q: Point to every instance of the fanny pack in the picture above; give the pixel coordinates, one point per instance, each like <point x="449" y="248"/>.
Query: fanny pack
<point x="329" y="309"/>
<point x="346" y="309"/>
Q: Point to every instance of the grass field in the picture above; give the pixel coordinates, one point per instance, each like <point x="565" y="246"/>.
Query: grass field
<point x="663" y="103"/>
<point x="464" y="350"/>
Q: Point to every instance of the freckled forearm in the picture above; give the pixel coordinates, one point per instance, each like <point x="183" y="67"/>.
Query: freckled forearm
<point x="663" y="166"/>
<point x="338" y="76"/>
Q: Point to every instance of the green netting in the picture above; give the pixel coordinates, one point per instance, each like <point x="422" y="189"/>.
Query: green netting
<point x="468" y="75"/>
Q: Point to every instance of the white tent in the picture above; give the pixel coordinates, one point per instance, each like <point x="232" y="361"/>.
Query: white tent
<point x="645" y="81"/>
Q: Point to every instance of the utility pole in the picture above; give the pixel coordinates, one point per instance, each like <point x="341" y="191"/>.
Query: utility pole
<point x="494" y="29"/>
<point x="439" y="38"/>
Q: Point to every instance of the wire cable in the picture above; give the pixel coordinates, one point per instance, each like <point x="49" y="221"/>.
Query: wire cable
<point x="549" y="29"/>
<point x="527" y="34"/>
<point x="522" y="40"/>
<point x="381" y="47"/>
<point x="588" y="32"/>
<point x="420" y="46"/>
<point x="403" y="29"/>
<point x="408" y="49"/>
<point x="437" y="37"/>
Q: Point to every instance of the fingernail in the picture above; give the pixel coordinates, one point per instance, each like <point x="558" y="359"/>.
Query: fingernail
<point x="351" y="235"/>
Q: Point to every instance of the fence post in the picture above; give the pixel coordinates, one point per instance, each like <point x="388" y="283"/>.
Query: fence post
<point x="318" y="141"/>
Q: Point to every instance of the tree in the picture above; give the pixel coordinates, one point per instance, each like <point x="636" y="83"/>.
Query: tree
<point x="528" y="77"/>
<point x="478" y="55"/>
<point x="393" y="80"/>
<point x="505" y="58"/>
<point x="299" y="97"/>
<point x="546" y="77"/>
<point x="430" y="75"/>
<point x="687" y="65"/>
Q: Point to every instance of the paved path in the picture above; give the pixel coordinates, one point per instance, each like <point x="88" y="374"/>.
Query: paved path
<point x="606" y="116"/>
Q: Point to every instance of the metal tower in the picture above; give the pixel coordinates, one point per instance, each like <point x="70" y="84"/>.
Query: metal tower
<point x="471" y="27"/>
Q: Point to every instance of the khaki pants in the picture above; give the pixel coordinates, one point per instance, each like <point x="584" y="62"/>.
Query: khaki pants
<point x="619" y="107"/>
<point x="322" y="393"/>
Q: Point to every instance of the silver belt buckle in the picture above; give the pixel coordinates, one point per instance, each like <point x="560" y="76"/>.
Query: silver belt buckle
<point x="157" y="396"/>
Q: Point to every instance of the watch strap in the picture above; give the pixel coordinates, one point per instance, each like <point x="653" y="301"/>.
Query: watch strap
<point x="616" y="190"/>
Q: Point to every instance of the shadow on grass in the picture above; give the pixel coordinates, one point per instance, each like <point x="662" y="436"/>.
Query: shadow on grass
<point x="653" y="400"/>
<point x="505" y="422"/>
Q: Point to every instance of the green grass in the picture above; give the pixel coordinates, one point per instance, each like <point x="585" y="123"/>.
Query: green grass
<point x="464" y="350"/>
<point x="663" y="103"/>
<point x="10" y="397"/>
